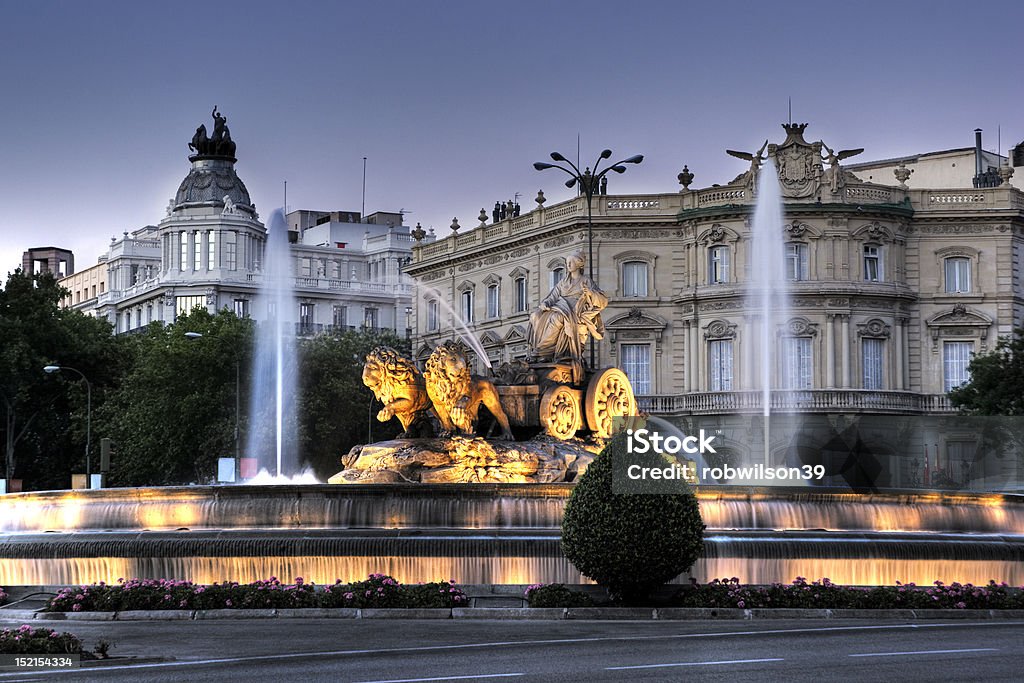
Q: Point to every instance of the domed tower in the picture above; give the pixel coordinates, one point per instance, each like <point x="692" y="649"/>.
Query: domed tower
<point x="211" y="236"/>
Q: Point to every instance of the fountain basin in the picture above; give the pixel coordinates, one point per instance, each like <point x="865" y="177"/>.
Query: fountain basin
<point x="490" y="533"/>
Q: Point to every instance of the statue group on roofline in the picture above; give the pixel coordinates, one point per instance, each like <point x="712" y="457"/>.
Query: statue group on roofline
<point x="219" y="144"/>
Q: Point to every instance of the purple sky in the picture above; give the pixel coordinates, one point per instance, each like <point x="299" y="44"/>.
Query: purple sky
<point x="452" y="102"/>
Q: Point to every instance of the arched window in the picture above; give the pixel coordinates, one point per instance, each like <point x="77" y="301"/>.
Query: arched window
<point x="634" y="278"/>
<point x="557" y="275"/>
<point x="432" y="315"/>
<point x="958" y="275"/>
<point x="522" y="300"/>
<point x="493" y="299"/>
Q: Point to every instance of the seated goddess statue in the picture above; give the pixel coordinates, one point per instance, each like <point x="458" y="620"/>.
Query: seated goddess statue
<point x="570" y="314"/>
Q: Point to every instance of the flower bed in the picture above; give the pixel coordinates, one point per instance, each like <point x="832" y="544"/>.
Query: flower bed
<point x="378" y="590"/>
<point x="555" y="595"/>
<point x="824" y="594"/>
<point x="39" y="641"/>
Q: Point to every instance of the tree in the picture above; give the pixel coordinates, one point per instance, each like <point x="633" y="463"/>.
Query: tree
<point x="45" y="415"/>
<point x="997" y="378"/>
<point x="174" y="413"/>
<point x="630" y="542"/>
<point x="336" y="411"/>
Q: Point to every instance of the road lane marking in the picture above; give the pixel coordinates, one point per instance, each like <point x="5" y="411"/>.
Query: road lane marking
<point x="925" y="652"/>
<point x="661" y="666"/>
<point x="509" y="643"/>
<point x="444" y="678"/>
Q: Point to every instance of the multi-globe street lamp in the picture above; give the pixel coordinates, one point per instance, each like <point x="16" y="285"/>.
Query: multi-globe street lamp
<point x="589" y="182"/>
<point x="88" y="416"/>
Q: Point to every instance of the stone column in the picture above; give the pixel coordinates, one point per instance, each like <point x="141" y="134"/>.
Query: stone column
<point x="846" y="351"/>
<point x="898" y="352"/>
<point x="693" y="353"/>
<point x="830" y="351"/>
<point x="747" y="362"/>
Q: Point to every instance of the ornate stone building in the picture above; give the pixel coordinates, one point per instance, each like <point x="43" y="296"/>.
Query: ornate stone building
<point x="207" y="251"/>
<point x="893" y="289"/>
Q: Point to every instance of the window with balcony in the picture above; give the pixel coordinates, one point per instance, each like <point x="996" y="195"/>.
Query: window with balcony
<point x="636" y="363"/>
<point x="720" y="365"/>
<point x="872" y="355"/>
<point x="956" y="357"/>
<point x="718" y="265"/>
<point x="958" y="275"/>
<point x="796" y="262"/>
<point x="634" y="278"/>
<point x="797" y="370"/>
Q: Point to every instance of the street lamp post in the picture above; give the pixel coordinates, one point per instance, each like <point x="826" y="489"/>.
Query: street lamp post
<point x="198" y="335"/>
<point x="88" y="417"/>
<point x="589" y="181"/>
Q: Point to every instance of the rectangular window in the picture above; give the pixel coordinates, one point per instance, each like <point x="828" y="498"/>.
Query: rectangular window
<point x="634" y="278"/>
<point x="958" y="275"/>
<point x="185" y="304"/>
<point x="796" y="362"/>
<point x="521" y="299"/>
<point x="872" y="263"/>
<point x="720" y="360"/>
<point x="493" y="309"/>
<point x="432" y="315"/>
<point x="718" y="265"/>
<point x="371" y="318"/>
<point x="241" y="308"/>
<point x="636" y="363"/>
<point x="796" y="262"/>
<point x="183" y="262"/>
<point x="467" y="306"/>
<point x="871" y="362"/>
<point x="231" y="250"/>
<point x="307" y="315"/>
<point x="956" y="356"/>
<point x="197" y="251"/>
<point x="340" y="317"/>
<point x="212" y="250"/>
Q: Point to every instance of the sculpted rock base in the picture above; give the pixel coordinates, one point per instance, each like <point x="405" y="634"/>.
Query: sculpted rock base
<point x="466" y="460"/>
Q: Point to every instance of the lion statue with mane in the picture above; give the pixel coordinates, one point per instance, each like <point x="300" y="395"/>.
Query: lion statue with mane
<point x="457" y="395"/>
<point x="396" y="383"/>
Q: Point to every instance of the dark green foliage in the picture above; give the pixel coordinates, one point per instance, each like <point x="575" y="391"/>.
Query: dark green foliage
<point x="174" y="412"/>
<point x="556" y="595"/>
<point x="336" y="410"/>
<point x="629" y="543"/>
<point x="44" y="417"/>
<point x="997" y="378"/>
<point x="40" y="641"/>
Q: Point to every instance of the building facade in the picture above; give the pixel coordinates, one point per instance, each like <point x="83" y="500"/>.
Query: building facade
<point x="208" y="252"/>
<point x="893" y="288"/>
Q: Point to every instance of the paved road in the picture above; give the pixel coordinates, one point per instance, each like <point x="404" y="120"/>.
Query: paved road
<point x="383" y="651"/>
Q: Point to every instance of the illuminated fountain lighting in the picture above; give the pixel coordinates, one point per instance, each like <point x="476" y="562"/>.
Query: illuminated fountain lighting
<point x="271" y="437"/>
<point x="769" y="293"/>
<point x="491" y="533"/>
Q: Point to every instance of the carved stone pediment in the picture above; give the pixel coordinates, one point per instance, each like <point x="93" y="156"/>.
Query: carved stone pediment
<point x="799" y="327"/>
<point x="875" y="329"/>
<point x="960" y="316"/>
<point x="636" y="319"/>
<point x="720" y="329"/>
<point x="516" y="333"/>
<point x="491" y="338"/>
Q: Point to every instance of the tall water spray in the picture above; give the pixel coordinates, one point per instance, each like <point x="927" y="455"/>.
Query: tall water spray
<point x="271" y="436"/>
<point x="769" y="286"/>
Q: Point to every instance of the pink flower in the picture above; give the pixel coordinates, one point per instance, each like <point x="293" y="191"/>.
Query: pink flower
<point x="961" y="605"/>
<point x="741" y="604"/>
<point x="76" y="608"/>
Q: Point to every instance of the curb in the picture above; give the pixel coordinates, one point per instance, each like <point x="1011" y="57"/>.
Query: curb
<point x="522" y="614"/>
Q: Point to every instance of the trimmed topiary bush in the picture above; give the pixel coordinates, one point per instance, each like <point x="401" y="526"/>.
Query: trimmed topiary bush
<point x="630" y="543"/>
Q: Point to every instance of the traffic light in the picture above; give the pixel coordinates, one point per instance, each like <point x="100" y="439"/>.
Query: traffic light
<point x="106" y="450"/>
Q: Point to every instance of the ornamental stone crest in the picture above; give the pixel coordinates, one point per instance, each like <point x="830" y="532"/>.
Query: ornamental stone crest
<point x="798" y="163"/>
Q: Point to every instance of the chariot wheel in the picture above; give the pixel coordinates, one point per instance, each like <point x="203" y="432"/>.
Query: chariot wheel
<point x="609" y="395"/>
<point x="560" y="412"/>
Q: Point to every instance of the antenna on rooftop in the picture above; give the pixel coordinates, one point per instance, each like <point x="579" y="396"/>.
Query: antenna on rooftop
<point x="791" y="111"/>
<point x="362" y="213"/>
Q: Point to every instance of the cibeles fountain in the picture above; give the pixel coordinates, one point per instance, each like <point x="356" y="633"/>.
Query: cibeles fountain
<point x="553" y="398"/>
<point x="475" y="488"/>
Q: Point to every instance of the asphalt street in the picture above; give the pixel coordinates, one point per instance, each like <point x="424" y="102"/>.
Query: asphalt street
<point x="386" y="651"/>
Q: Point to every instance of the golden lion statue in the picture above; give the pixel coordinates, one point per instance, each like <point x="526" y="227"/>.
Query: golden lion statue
<point x="396" y="383"/>
<point x="457" y="395"/>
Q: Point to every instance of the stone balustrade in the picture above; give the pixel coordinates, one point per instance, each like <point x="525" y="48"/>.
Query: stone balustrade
<point x="798" y="401"/>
